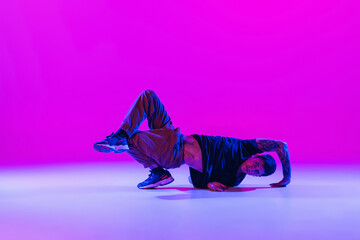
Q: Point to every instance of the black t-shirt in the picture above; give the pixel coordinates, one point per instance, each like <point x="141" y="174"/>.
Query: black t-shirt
<point x="221" y="159"/>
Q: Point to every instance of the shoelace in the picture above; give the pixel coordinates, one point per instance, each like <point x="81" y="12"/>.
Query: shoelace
<point x="151" y="174"/>
<point x="112" y="134"/>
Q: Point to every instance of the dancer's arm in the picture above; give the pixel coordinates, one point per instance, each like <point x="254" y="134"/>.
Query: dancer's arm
<point x="281" y="148"/>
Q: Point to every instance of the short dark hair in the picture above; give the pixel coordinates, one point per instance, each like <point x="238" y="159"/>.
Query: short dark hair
<point x="269" y="164"/>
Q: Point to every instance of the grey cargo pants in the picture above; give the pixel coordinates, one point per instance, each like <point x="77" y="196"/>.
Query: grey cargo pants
<point x="162" y="144"/>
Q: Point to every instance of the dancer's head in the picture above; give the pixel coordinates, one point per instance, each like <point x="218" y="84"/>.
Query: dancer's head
<point x="259" y="165"/>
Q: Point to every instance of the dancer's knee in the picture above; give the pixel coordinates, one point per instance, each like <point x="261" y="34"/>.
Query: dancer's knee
<point x="149" y="92"/>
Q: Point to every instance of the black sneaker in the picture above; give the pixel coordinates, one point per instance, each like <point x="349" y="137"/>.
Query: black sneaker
<point x="156" y="180"/>
<point x="113" y="143"/>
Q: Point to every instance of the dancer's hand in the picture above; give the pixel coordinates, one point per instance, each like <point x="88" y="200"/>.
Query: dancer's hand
<point x="282" y="183"/>
<point x="216" y="186"/>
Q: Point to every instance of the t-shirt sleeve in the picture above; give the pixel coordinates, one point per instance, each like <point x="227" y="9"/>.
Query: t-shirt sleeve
<point x="198" y="179"/>
<point x="249" y="148"/>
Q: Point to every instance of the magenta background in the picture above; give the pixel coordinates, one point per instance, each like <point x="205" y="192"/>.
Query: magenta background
<point x="69" y="71"/>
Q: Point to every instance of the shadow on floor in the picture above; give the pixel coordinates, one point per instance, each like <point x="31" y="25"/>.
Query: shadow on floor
<point x="195" y="193"/>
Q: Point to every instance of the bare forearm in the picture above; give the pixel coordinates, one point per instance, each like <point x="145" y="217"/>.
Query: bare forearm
<point x="283" y="154"/>
<point x="281" y="148"/>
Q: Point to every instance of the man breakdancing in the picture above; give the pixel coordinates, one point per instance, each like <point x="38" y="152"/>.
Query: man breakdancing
<point x="215" y="162"/>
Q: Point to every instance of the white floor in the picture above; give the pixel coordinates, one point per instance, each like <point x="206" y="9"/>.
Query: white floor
<point x="101" y="201"/>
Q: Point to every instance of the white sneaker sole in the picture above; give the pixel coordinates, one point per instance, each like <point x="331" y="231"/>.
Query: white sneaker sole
<point x="108" y="148"/>
<point x="121" y="147"/>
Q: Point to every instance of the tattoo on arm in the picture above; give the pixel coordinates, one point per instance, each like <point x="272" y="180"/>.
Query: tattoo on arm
<point x="281" y="148"/>
<point x="268" y="145"/>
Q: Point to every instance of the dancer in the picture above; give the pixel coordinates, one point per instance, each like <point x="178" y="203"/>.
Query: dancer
<point x="215" y="162"/>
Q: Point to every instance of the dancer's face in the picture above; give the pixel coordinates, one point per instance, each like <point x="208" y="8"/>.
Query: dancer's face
<point x="253" y="166"/>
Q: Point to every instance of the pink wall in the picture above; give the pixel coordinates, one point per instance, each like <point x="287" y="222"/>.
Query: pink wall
<point x="69" y="70"/>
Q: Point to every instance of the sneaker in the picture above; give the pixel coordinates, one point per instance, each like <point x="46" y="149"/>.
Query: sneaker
<point x="113" y="143"/>
<point x="156" y="180"/>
